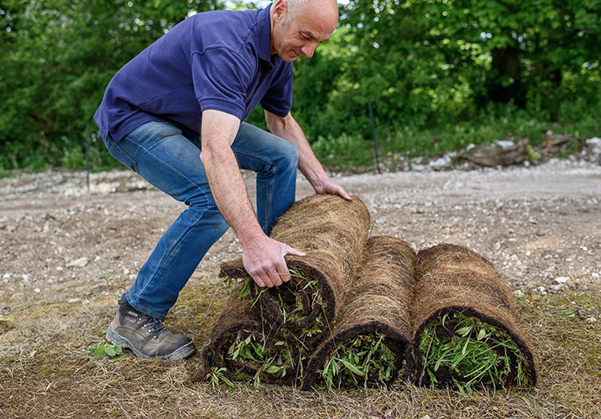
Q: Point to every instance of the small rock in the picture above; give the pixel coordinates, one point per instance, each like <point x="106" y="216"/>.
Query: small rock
<point x="562" y="279"/>
<point x="73" y="300"/>
<point x="36" y="290"/>
<point x="595" y="144"/>
<point x="441" y="163"/>
<point x="418" y="167"/>
<point x="542" y="290"/>
<point x="425" y="417"/>
<point x="591" y="319"/>
<point x="518" y="293"/>
<point x="595" y="276"/>
<point x="79" y="263"/>
<point x="505" y="144"/>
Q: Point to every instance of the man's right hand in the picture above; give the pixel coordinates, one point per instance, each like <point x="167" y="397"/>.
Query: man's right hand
<point x="263" y="259"/>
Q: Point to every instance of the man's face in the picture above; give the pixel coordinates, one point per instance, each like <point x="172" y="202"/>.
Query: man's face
<point x="301" y="35"/>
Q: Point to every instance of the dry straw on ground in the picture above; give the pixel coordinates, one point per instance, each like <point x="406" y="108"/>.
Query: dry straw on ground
<point x="377" y="303"/>
<point x="453" y="279"/>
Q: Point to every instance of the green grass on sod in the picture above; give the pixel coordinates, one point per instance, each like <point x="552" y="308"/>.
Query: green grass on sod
<point x="475" y="354"/>
<point x="359" y="361"/>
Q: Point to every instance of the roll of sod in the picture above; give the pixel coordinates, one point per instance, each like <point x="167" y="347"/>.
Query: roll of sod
<point x="242" y="348"/>
<point x="370" y="338"/>
<point x="333" y="233"/>
<point x="466" y="331"/>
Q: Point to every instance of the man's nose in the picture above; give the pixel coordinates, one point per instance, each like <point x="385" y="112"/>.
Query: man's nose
<point x="309" y="49"/>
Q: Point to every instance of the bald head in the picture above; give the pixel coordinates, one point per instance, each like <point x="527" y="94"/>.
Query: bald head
<point x="327" y="9"/>
<point x="298" y="26"/>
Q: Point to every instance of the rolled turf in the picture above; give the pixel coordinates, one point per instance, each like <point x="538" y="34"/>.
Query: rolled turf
<point x="466" y="331"/>
<point x="333" y="233"/>
<point x="242" y="348"/>
<point x="370" y="338"/>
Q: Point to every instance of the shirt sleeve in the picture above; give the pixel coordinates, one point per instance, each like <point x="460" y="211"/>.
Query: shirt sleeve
<point x="221" y="78"/>
<point x="278" y="98"/>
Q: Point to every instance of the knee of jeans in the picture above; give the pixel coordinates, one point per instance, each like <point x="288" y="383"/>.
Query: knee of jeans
<point x="208" y="210"/>
<point x="288" y="157"/>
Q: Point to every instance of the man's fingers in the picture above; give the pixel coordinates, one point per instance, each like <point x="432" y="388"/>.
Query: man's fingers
<point x="343" y="194"/>
<point x="282" y="270"/>
<point x="274" y="277"/>
<point x="292" y="251"/>
<point x="260" y="283"/>
<point x="264" y="277"/>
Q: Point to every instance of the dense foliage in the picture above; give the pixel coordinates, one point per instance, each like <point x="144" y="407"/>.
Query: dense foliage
<point x="423" y="64"/>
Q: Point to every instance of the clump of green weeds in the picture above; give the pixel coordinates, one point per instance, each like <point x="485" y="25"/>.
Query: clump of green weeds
<point x="296" y="315"/>
<point x="107" y="350"/>
<point x="253" y="355"/>
<point x="476" y="353"/>
<point x="361" y="361"/>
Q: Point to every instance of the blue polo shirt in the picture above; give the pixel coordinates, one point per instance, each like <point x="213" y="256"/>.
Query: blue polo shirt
<point x="215" y="60"/>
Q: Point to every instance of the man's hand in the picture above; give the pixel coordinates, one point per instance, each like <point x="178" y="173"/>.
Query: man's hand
<point x="263" y="259"/>
<point x="331" y="187"/>
<point x="287" y="127"/>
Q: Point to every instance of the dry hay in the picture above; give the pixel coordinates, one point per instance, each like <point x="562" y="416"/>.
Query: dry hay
<point x="370" y="338"/>
<point x="466" y="330"/>
<point x="333" y="233"/>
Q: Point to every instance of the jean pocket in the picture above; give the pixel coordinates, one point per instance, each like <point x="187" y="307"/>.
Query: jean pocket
<point x="151" y="132"/>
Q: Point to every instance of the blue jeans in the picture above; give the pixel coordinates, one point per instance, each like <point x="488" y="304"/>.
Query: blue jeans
<point x="162" y="155"/>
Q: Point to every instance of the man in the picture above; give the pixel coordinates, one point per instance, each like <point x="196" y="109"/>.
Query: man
<point x="173" y="114"/>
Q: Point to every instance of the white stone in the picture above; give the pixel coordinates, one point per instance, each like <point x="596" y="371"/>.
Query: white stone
<point x="79" y="263"/>
<point x="518" y="293"/>
<point x="36" y="290"/>
<point x="418" y="167"/>
<point x="504" y="144"/>
<point x="441" y="163"/>
<point x="595" y="144"/>
<point x="595" y="276"/>
<point x="592" y="319"/>
<point x="562" y="279"/>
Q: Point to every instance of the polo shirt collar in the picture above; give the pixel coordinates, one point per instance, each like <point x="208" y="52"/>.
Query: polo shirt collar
<point x="264" y="33"/>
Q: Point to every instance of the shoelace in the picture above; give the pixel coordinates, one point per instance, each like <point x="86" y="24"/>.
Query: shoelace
<point x="154" y="326"/>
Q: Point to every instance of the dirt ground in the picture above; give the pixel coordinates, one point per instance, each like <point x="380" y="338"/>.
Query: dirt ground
<point x="66" y="256"/>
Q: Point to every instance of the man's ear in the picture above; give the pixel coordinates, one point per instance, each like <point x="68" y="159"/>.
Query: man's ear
<point x="280" y="10"/>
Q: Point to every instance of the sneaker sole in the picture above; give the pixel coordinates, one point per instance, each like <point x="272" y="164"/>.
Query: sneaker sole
<point x="180" y="353"/>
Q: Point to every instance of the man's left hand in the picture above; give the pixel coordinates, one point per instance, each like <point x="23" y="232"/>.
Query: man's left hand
<point x="331" y="187"/>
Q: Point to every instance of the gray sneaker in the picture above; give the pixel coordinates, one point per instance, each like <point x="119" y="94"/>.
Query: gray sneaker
<point x="147" y="337"/>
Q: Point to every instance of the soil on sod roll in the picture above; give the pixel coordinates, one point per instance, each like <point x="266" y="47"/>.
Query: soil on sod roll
<point x="466" y="331"/>
<point x="370" y="339"/>
<point x="243" y="348"/>
<point x="333" y="233"/>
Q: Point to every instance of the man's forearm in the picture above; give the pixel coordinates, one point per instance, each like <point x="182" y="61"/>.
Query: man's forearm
<point x="225" y="181"/>
<point x="308" y="164"/>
